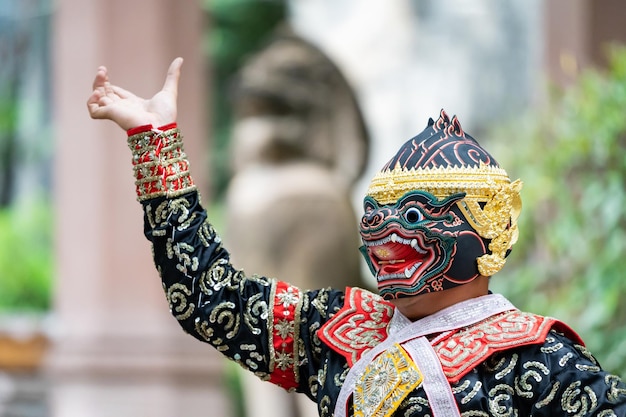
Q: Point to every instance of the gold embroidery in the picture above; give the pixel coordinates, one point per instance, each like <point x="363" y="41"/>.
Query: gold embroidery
<point x="160" y="164"/>
<point x="509" y="368"/>
<point x="535" y="370"/>
<point x="563" y="361"/>
<point x="607" y="413"/>
<point x="324" y="406"/>
<point x="550" y="397"/>
<point x="385" y="382"/>
<point x="615" y="392"/>
<point x="177" y="298"/>
<point x="414" y="405"/>
<point x="585" y="368"/>
<point x="223" y="314"/>
<point x="202" y="328"/>
<point x="470" y="395"/>
<point x="500" y="400"/>
<point x="258" y="307"/>
<point x="283" y="319"/>
<point x="577" y="403"/>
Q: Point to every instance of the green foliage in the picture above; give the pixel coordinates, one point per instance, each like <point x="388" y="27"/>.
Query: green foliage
<point x="569" y="261"/>
<point x="26" y="258"/>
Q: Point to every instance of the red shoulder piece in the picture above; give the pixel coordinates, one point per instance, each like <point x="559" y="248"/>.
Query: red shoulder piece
<point x="463" y="350"/>
<point x="360" y="325"/>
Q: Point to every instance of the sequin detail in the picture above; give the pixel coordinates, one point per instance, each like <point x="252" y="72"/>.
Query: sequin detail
<point x="160" y="164"/>
<point x="283" y="369"/>
<point x="386" y="381"/>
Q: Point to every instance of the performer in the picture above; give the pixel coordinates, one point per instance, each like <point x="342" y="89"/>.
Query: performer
<point x="439" y="220"/>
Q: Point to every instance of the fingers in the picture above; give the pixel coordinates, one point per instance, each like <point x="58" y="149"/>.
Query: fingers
<point x="120" y="92"/>
<point x="103" y="95"/>
<point x="102" y="77"/>
<point x="94" y="104"/>
<point x="173" y="75"/>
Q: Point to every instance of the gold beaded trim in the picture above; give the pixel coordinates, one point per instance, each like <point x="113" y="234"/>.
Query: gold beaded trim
<point x="160" y="164"/>
<point x="479" y="183"/>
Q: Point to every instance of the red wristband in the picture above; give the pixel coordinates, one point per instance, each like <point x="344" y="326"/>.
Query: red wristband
<point x="160" y="165"/>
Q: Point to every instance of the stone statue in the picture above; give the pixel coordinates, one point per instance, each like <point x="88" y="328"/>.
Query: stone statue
<point x="299" y="144"/>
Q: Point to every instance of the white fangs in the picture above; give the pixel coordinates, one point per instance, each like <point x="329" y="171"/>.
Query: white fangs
<point x="410" y="271"/>
<point x="396" y="239"/>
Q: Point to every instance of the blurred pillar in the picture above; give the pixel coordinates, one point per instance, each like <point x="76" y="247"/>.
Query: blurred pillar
<point x="577" y="34"/>
<point x="607" y="26"/>
<point x="117" y="351"/>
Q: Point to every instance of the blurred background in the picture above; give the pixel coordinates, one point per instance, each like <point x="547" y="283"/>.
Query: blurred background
<point x="84" y="326"/>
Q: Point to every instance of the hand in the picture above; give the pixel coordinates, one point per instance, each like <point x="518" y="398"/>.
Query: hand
<point x="108" y="101"/>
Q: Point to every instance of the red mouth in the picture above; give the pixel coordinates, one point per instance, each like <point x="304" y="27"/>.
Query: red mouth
<point x="397" y="259"/>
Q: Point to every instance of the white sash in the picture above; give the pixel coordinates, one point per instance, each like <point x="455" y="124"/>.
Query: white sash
<point x="459" y="315"/>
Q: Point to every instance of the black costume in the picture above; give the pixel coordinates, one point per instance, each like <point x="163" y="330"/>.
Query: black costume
<point x="504" y="363"/>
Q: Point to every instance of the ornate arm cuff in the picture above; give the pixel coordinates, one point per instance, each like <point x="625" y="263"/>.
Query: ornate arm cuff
<point x="160" y="164"/>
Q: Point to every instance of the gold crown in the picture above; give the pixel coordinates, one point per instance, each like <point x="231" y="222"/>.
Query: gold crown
<point x="479" y="183"/>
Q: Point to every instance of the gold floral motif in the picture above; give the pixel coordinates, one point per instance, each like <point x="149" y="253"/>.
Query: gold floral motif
<point x="385" y="382"/>
<point x="283" y="317"/>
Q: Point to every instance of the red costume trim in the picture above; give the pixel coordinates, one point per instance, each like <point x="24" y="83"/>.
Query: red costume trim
<point x="363" y="321"/>
<point x="464" y="349"/>
<point x="283" y="335"/>
<point x="360" y="325"/>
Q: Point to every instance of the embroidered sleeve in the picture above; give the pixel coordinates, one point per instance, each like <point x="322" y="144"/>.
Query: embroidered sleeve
<point x="265" y="325"/>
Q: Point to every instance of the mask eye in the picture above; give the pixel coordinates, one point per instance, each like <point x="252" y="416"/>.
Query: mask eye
<point x="413" y="215"/>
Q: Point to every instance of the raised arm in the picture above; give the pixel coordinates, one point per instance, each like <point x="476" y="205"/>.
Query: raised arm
<point x="267" y="326"/>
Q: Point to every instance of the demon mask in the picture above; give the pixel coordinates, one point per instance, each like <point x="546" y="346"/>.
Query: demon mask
<point x="439" y="214"/>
